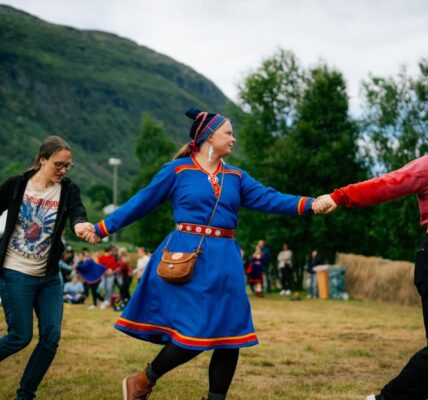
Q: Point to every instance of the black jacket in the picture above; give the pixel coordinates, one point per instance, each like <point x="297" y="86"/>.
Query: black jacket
<point x="70" y="206"/>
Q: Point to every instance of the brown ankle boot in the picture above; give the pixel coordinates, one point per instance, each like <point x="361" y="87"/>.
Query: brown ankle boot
<point x="137" y="387"/>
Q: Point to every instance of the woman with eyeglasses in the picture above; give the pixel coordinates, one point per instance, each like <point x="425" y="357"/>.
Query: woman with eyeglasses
<point x="38" y="203"/>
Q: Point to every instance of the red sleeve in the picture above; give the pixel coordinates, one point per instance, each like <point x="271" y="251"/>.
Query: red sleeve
<point x="411" y="179"/>
<point x="108" y="261"/>
<point x="102" y="260"/>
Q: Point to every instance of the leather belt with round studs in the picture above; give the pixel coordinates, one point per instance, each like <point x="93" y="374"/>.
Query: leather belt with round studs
<point x="205" y="230"/>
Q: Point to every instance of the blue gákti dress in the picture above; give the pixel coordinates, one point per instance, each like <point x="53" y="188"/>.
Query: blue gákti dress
<point x="212" y="310"/>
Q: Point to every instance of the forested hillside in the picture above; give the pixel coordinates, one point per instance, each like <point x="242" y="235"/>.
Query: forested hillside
<point x="91" y="87"/>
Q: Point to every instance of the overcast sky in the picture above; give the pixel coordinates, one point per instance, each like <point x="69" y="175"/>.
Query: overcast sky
<point x="225" y="39"/>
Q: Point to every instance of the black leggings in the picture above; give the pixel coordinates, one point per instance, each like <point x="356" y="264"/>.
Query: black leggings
<point x="222" y="366"/>
<point x="421" y="278"/>
<point x="124" y="288"/>
<point x="286" y="276"/>
<point x="93" y="287"/>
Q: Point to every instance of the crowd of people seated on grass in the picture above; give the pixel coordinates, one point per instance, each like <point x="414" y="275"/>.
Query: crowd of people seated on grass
<point x="103" y="277"/>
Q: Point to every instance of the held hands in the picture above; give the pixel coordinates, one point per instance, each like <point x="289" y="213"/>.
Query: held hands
<point x="86" y="231"/>
<point x="323" y="205"/>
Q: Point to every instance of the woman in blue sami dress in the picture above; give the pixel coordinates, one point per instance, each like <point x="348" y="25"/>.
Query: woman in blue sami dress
<point x="212" y="310"/>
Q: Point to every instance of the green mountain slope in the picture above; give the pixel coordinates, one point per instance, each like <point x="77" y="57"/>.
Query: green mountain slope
<point x="90" y="87"/>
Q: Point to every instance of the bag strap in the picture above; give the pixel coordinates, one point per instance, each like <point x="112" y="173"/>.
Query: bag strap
<point x="212" y="214"/>
<point x="215" y="207"/>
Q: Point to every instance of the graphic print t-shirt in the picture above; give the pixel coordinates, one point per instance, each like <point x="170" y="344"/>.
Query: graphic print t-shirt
<point x="31" y="239"/>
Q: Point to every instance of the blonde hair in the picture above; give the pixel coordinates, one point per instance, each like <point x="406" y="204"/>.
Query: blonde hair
<point x="122" y="252"/>
<point x="184" y="151"/>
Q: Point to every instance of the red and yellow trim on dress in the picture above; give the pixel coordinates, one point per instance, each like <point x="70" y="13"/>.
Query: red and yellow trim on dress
<point x="232" y="171"/>
<point x="189" y="167"/>
<point x="301" y="205"/>
<point x="217" y="170"/>
<point x="103" y="229"/>
<point x="186" y="340"/>
<point x="212" y="177"/>
<point x="185" y="167"/>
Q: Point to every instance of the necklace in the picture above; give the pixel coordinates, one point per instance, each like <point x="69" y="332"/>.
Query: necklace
<point x="213" y="179"/>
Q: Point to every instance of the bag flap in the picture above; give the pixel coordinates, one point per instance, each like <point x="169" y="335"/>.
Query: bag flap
<point x="171" y="257"/>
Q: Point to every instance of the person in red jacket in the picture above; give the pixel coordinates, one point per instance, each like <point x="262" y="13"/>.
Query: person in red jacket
<point x="109" y="260"/>
<point x="412" y="179"/>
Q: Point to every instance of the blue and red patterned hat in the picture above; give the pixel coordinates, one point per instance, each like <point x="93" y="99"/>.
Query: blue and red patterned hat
<point x="204" y="125"/>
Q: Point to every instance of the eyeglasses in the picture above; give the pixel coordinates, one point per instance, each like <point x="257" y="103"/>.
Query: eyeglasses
<point x="60" y="165"/>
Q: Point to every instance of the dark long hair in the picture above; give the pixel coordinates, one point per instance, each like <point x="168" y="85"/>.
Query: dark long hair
<point x="50" y="146"/>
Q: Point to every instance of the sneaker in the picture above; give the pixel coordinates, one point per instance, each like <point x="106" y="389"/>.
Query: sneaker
<point x="137" y="387"/>
<point x="282" y="292"/>
<point x="92" y="307"/>
<point x="287" y="292"/>
<point x="104" y="305"/>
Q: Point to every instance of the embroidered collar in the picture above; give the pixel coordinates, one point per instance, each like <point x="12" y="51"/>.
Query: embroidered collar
<point x="217" y="170"/>
<point x="212" y="177"/>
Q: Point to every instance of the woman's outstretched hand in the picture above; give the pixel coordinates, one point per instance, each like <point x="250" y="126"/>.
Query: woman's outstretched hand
<point x="86" y="231"/>
<point x="324" y="204"/>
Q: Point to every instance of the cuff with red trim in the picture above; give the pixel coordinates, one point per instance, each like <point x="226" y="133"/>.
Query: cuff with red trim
<point x="101" y="229"/>
<point x="304" y="205"/>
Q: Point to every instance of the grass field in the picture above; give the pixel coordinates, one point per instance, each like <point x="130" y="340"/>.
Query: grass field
<point x="310" y="349"/>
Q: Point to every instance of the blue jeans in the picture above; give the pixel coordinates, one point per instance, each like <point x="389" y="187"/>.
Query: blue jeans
<point x="107" y="284"/>
<point x="20" y="294"/>
<point x="311" y="285"/>
<point x="266" y="278"/>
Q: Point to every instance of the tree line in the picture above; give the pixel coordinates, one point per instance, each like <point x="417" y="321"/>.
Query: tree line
<point x="296" y="134"/>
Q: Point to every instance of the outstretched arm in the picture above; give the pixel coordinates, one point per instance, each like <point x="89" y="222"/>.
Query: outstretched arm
<point x="410" y="179"/>
<point x="258" y="197"/>
<point x="141" y="204"/>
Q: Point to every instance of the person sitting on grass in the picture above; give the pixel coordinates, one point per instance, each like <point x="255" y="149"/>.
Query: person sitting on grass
<point x="74" y="293"/>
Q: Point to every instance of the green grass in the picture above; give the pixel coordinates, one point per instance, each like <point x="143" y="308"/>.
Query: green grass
<point x="312" y="349"/>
